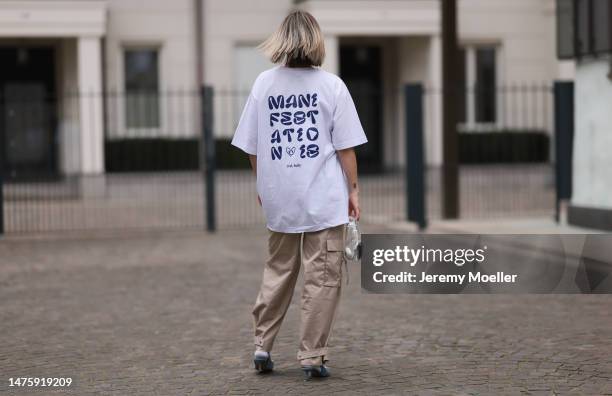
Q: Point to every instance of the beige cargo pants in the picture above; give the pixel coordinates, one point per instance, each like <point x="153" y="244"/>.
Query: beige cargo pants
<point x="322" y="257"/>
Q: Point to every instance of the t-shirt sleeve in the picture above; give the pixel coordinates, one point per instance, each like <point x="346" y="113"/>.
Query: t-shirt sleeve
<point x="347" y="131"/>
<point x="245" y="137"/>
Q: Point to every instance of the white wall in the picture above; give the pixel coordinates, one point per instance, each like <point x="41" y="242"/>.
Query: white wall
<point x="248" y="62"/>
<point x="592" y="178"/>
<point x="75" y="29"/>
<point x="376" y="17"/>
<point x="170" y="27"/>
<point x="230" y="28"/>
<point x="524" y="34"/>
<point x="50" y="18"/>
<point x="414" y="66"/>
<point x="524" y="30"/>
<point x="229" y="23"/>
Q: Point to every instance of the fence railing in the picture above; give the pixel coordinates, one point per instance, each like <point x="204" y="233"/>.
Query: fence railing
<point x="505" y="151"/>
<point x="146" y="166"/>
<point x="108" y="160"/>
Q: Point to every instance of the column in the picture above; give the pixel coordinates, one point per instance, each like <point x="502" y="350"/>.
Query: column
<point x="91" y="137"/>
<point x="89" y="79"/>
<point x="70" y="130"/>
<point x="433" y="105"/>
<point x="470" y="55"/>
<point x="332" y="55"/>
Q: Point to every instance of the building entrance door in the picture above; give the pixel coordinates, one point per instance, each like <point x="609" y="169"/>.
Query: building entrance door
<point x="360" y="68"/>
<point x="28" y="108"/>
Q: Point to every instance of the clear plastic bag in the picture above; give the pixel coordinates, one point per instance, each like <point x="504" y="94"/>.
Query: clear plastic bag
<point x="352" y="240"/>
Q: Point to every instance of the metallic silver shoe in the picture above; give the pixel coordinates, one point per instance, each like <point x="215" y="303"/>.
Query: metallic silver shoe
<point x="315" y="371"/>
<point x="264" y="364"/>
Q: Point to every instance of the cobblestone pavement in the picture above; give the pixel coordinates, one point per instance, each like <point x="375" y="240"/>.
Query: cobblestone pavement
<point x="169" y="314"/>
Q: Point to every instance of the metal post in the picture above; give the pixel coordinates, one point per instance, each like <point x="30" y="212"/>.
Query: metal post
<point x="2" y="153"/>
<point x="415" y="158"/>
<point x="564" y="138"/>
<point x="207" y="157"/>
<point x="450" y="81"/>
<point x="1" y="197"/>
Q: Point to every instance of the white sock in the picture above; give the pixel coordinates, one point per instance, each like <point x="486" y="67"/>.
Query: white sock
<point x="261" y="354"/>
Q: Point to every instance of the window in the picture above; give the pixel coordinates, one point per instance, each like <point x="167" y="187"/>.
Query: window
<point x="141" y="71"/>
<point x="565" y="29"/>
<point x="248" y="63"/>
<point x="602" y="26"/>
<point x="478" y="70"/>
<point x="485" y="85"/>
<point x="583" y="41"/>
<point x="462" y="97"/>
<point x="584" y="27"/>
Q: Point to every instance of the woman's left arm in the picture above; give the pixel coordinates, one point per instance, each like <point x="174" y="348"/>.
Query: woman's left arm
<point x="253" y="160"/>
<point x="348" y="160"/>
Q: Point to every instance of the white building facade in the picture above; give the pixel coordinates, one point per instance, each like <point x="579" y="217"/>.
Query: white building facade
<point x="399" y="42"/>
<point x="125" y="58"/>
<point x="83" y="64"/>
<point x="67" y="37"/>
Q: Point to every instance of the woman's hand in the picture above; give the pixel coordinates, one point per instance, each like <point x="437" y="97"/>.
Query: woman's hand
<point x="354" y="205"/>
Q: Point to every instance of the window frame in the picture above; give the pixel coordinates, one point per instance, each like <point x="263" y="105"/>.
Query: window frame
<point x="576" y="51"/>
<point x="146" y="130"/>
<point x="470" y="49"/>
<point x="480" y="92"/>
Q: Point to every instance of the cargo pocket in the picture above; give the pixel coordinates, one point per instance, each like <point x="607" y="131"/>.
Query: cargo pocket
<point x="333" y="263"/>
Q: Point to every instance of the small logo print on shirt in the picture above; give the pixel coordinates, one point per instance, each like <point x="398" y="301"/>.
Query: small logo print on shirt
<point x="290" y="151"/>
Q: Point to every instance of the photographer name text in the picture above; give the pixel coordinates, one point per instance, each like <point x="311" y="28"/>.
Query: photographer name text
<point x="457" y="257"/>
<point x="408" y="277"/>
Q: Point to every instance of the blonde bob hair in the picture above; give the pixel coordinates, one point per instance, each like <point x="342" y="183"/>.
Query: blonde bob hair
<point x="298" y="42"/>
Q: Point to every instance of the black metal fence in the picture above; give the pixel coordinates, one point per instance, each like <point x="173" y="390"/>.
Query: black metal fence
<point x="115" y="160"/>
<point x="506" y="162"/>
<point x="140" y="160"/>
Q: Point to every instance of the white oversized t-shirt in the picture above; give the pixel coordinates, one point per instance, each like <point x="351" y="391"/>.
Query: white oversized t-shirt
<point x="294" y="120"/>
